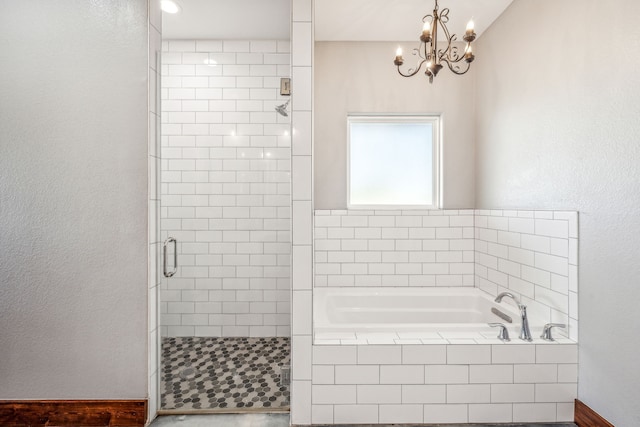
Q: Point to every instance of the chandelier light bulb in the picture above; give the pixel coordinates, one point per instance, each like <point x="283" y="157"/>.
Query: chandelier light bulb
<point x="398" y="61"/>
<point x="169" y="6"/>
<point x="470" y="27"/>
<point x="426" y="27"/>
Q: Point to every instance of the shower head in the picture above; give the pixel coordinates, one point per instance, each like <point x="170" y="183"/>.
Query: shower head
<point x="282" y="109"/>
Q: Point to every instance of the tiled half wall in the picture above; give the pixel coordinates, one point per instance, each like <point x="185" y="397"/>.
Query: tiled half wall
<point x="369" y="384"/>
<point x="394" y="248"/>
<point x="532" y="254"/>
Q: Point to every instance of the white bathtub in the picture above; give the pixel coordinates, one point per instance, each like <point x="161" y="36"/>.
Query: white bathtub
<point x="445" y="313"/>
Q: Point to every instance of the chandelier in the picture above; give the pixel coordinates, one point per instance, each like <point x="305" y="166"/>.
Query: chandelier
<point x="431" y="56"/>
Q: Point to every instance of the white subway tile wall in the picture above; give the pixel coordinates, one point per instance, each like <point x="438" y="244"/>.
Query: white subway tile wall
<point x="394" y="248"/>
<point x="409" y="384"/>
<point x="226" y="188"/>
<point x="302" y="222"/>
<point x="534" y="255"/>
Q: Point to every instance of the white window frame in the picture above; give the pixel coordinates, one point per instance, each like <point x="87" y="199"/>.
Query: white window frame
<point x="435" y="121"/>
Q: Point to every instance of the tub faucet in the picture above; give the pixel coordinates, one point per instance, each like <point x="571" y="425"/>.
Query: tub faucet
<point x="525" y="334"/>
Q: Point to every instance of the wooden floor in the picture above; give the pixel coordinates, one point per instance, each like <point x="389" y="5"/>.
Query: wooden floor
<point x="88" y="413"/>
<point x="133" y="413"/>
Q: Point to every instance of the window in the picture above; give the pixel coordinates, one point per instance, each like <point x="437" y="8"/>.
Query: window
<point x="393" y="161"/>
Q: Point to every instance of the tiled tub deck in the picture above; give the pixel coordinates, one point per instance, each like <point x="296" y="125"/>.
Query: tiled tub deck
<point x="444" y="383"/>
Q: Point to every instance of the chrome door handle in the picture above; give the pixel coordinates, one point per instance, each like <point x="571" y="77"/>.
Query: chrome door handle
<point x="175" y="257"/>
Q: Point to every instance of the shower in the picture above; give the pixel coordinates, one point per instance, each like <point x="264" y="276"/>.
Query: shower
<point x="226" y="190"/>
<point x="282" y="109"/>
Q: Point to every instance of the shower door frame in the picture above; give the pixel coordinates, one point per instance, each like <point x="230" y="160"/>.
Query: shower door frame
<point x="159" y="270"/>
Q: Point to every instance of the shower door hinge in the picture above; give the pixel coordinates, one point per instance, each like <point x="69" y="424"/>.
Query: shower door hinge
<point x="285" y="375"/>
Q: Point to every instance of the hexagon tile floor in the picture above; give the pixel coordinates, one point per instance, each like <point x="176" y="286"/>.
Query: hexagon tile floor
<point x="224" y="373"/>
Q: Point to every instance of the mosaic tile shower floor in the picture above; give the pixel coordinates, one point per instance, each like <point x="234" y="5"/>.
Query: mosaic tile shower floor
<point x="224" y="373"/>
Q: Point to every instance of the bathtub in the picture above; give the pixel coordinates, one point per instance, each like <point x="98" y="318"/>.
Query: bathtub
<point x="394" y="315"/>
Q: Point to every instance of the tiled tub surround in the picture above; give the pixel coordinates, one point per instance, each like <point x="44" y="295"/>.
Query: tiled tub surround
<point x="506" y="382"/>
<point x="226" y="188"/>
<point x="532" y="254"/>
<point x="466" y="377"/>
<point x="394" y="248"/>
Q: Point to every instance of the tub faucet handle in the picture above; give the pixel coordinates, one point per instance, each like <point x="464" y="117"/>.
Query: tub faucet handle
<point x="546" y="331"/>
<point x="503" y="335"/>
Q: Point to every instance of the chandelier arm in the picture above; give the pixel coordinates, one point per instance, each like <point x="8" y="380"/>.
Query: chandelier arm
<point x="411" y="71"/>
<point x="450" y="39"/>
<point x="456" y="69"/>
<point x="444" y="16"/>
<point x="451" y="53"/>
<point x="424" y="53"/>
<point x="456" y="59"/>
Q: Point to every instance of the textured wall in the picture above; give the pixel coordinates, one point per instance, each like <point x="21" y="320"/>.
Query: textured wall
<point x="73" y="199"/>
<point x="558" y="129"/>
<point x="357" y="77"/>
<point x="154" y="273"/>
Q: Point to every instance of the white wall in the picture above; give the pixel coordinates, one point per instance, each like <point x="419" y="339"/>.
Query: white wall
<point x="73" y="199"/>
<point x="226" y="188"/>
<point x="359" y="77"/>
<point x="557" y="128"/>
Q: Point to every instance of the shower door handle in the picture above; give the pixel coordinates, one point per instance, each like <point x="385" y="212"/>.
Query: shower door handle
<point x="165" y="256"/>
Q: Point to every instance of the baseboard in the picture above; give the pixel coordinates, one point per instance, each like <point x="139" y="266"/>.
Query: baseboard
<point x="587" y="417"/>
<point x="63" y="413"/>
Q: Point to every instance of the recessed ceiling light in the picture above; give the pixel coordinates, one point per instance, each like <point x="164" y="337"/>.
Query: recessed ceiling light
<point x="169" y="6"/>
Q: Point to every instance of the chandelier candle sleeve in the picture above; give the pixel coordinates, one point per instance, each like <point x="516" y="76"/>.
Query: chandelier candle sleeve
<point x="433" y="55"/>
<point x="399" y="60"/>
<point x="468" y="55"/>
<point x="426" y="32"/>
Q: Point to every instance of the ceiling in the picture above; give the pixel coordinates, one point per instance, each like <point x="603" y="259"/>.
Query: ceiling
<point x="229" y="19"/>
<point x="335" y="20"/>
<point x="397" y="20"/>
